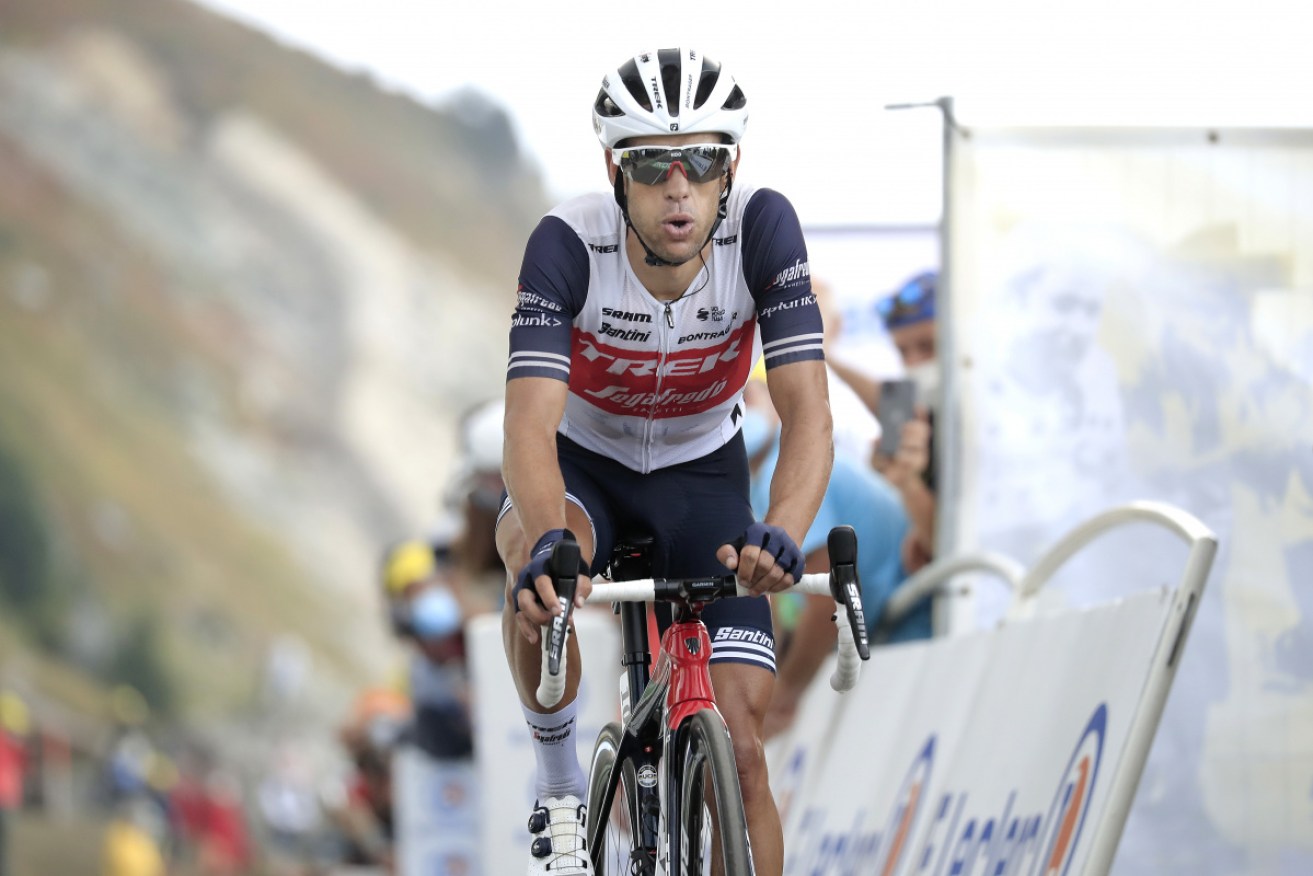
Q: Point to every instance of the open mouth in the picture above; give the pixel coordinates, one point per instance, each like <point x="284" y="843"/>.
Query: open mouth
<point x="679" y="226"/>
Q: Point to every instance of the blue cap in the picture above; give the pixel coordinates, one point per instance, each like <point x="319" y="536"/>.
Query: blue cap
<point x="913" y="302"/>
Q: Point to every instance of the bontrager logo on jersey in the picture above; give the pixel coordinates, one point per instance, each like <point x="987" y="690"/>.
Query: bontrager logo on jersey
<point x="704" y="336"/>
<point x="647" y="382"/>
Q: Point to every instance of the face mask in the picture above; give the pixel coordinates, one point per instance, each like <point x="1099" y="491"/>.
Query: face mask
<point x="925" y="376"/>
<point x="435" y="613"/>
<point x="758" y="431"/>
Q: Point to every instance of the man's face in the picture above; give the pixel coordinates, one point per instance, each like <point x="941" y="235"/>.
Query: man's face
<point x="915" y="342"/>
<point x="675" y="215"/>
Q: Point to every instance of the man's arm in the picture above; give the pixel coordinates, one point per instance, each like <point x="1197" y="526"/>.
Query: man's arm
<point x="534" y="408"/>
<point x="799" y="391"/>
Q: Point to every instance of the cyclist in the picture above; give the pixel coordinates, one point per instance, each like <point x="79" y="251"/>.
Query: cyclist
<point x="634" y="334"/>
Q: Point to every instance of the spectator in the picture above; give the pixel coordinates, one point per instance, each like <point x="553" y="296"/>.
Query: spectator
<point x="133" y="839"/>
<point x="364" y="816"/>
<point x="855" y="496"/>
<point x="14" y="722"/>
<point x="472" y="500"/>
<point x="907" y="317"/>
<point x="426" y="612"/>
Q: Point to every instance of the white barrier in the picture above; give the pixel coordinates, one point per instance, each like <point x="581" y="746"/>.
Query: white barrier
<point x="504" y="757"/>
<point x="436" y="815"/>
<point x="1015" y="750"/>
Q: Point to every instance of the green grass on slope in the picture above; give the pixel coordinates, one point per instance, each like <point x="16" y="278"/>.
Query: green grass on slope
<point x="88" y="404"/>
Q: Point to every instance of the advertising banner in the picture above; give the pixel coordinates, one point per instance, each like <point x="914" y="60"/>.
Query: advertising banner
<point x="986" y="753"/>
<point x="505" y="761"/>
<point x="1131" y="317"/>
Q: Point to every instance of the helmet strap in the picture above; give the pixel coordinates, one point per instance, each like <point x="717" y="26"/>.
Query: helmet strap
<point x="651" y="258"/>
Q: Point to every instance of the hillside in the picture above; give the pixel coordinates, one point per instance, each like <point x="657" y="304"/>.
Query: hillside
<point x="243" y="297"/>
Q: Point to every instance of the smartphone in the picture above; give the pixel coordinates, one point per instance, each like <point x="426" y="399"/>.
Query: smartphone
<point x="897" y="406"/>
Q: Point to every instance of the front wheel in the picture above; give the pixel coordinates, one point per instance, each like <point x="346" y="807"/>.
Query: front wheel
<point x="711" y="813"/>
<point x="614" y="840"/>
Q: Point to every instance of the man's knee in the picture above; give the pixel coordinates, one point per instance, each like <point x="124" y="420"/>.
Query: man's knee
<point x="512" y="549"/>
<point x="743" y="703"/>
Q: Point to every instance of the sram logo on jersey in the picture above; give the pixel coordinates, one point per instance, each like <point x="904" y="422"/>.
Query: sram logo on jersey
<point x="649" y="383"/>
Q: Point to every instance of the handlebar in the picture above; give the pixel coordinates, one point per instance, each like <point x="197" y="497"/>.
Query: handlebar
<point x="841" y="584"/>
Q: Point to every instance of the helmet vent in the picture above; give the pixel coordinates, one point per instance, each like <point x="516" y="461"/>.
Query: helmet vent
<point x="606" y="107"/>
<point x="706" y="82"/>
<point x="736" y="100"/>
<point x="633" y="83"/>
<point x="671" y="71"/>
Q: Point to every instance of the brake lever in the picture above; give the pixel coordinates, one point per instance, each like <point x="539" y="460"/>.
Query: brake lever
<point x="845" y="586"/>
<point x="564" y="569"/>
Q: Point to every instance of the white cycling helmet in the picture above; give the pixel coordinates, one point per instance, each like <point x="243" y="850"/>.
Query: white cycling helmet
<point x="670" y="91"/>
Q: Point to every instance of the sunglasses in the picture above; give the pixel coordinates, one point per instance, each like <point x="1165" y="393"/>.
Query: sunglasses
<point x="700" y="162"/>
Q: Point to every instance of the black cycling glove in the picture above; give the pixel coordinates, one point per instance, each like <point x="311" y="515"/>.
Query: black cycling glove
<point x="776" y="542"/>
<point x="537" y="565"/>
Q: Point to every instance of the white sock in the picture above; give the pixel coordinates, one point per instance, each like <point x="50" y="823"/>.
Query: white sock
<point x="559" y="772"/>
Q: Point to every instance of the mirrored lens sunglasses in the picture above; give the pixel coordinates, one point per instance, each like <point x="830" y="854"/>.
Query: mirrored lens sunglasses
<point x="700" y="162"/>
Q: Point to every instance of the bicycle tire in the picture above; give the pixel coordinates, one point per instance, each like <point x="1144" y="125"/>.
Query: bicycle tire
<point x="706" y="752"/>
<point x="611" y="828"/>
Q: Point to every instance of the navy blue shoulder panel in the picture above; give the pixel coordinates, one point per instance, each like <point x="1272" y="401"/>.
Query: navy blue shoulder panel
<point x="778" y="275"/>
<point x="553" y="286"/>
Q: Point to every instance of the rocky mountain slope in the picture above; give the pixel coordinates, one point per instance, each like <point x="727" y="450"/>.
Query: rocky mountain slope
<point x="243" y="297"/>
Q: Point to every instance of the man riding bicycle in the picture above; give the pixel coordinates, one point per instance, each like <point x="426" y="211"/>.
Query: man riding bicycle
<point x="634" y="334"/>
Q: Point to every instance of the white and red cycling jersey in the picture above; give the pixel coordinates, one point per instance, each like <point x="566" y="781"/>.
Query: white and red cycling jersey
<point x="656" y="383"/>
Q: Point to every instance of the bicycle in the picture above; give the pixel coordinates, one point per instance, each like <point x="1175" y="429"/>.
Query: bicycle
<point x="648" y="801"/>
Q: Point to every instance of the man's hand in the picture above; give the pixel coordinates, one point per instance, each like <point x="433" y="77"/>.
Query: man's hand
<point x="536" y="602"/>
<point x="765" y="559"/>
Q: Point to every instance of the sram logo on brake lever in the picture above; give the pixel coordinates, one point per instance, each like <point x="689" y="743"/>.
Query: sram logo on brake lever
<point x="844" y="584"/>
<point x="564" y="567"/>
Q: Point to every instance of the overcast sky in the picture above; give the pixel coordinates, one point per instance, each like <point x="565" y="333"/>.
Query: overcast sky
<point x="819" y="72"/>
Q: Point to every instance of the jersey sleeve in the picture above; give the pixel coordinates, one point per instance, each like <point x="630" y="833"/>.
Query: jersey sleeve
<point x="553" y="284"/>
<point x="779" y="277"/>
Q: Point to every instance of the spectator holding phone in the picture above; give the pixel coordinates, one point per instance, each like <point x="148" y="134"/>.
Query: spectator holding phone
<point x="905" y="408"/>
<point x="856" y="496"/>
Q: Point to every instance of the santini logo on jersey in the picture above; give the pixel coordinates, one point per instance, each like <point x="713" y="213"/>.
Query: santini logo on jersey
<point x="623" y="334"/>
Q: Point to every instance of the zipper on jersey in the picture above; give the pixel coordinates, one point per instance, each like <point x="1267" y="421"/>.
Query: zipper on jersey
<point x="663" y="347"/>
